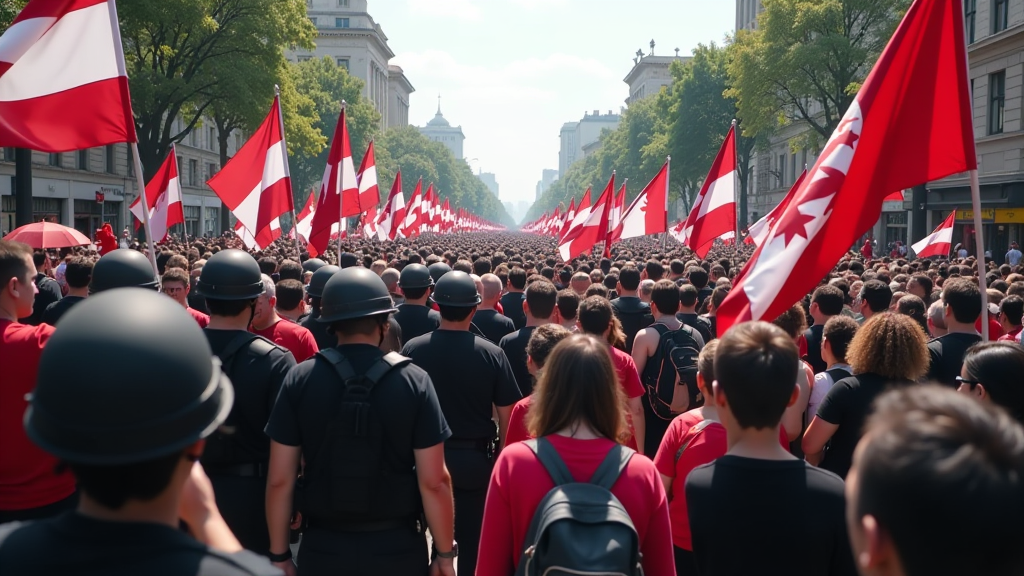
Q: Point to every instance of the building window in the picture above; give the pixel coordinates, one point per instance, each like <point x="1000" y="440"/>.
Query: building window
<point x="304" y="58"/>
<point x="313" y="20"/>
<point x="782" y="170"/>
<point x="211" y="170"/>
<point x="178" y="168"/>
<point x="970" y="12"/>
<point x="55" y="160"/>
<point x="1000" y="15"/>
<point x="341" y="22"/>
<point x="343" y="63"/>
<point x="9" y="154"/>
<point x="996" y="102"/>
<point x="213" y="138"/>
<point x="83" y="159"/>
<point x="342" y="3"/>
<point x="110" y="153"/>
<point x="193" y="172"/>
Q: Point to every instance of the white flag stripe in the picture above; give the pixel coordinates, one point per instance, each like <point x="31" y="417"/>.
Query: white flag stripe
<point x="76" y="50"/>
<point x="720" y="193"/>
<point x="274" y="170"/>
<point x="634" y="223"/>
<point x="941" y="236"/>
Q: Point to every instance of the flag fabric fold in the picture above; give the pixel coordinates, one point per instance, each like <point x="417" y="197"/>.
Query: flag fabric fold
<point x="592" y="229"/>
<point x="369" y="194"/>
<point x="339" y="191"/>
<point x="63" y="81"/>
<point x="163" y="194"/>
<point x="758" y="231"/>
<point x="393" y="214"/>
<point x="910" y="123"/>
<point x="714" y="210"/>
<point x="938" y="242"/>
<point x="647" y="214"/>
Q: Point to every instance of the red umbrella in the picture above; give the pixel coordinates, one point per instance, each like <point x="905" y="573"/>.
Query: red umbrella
<point x="48" y="235"/>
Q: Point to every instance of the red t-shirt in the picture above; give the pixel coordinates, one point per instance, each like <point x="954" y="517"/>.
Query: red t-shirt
<point x="296" y="339"/>
<point x="517" y="431"/>
<point x="1010" y="336"/>
<point x="519" y="482"/>
<point x="27" y="477"/>
<point x="200" y="318"/>
<point x="995" y="329"/>
<point x="629" y="379"/>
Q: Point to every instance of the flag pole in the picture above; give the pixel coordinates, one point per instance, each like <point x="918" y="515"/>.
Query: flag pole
<point x="284" y="143"/>
<point x="341" y="189"/>
<point x="668" y="187"/>
<point x="145" y="210"/>
<point x="736" y="181"/>
<point x="980" y="247"/>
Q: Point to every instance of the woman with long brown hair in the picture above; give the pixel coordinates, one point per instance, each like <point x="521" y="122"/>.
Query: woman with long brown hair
<point x="578" y="407"/>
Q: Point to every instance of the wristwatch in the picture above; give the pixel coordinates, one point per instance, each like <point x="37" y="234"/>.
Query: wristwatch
<point x="449" y="555"/>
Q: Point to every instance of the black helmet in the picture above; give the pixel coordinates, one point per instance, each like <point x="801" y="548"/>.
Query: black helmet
<point x="415" y="276"/>
<point x="348" y="260"/>
<point x="438" y="269"/>
<point x="123" y="269"/>
<point x="140" y="391"/>
<point x="230" y="275"/>
<point x="456" y="289"/>
<point x="354" y="293"/>
<point x="315" y="288"/>
<point x="313" y="264"/>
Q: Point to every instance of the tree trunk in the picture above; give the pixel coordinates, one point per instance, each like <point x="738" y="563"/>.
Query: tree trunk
<point x="223" y="134"/>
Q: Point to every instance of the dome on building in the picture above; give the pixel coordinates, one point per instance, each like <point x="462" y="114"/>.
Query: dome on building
<point x="439" y="120"/>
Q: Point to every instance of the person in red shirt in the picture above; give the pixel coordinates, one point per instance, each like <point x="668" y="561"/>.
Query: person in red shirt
<point x="268" y="323"/>
<point x="30" y="488"/>
<point x="1011" y="312"/>
<point x="175" y="283"/>
<point x="595" y="318"/>
<point x="576" y="408"/>
<point x="542" y="341"/>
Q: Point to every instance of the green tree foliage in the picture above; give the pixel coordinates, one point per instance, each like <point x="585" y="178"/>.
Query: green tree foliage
<point x="8" y="10"/>
<point x="806" y="60"/>
<point x="190" y="58"/>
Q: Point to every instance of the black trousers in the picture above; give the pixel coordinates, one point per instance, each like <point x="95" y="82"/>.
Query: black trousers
<point x="242" y="503"/>
<point x="655" y="427"/>
<point x="686" y="562"/>
<point x="40" y="513"/>
<point x="397" y="551"/>
<point x="471" y="473"/>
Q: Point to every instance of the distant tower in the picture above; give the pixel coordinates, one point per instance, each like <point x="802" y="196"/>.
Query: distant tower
<point x="440" y="130"/>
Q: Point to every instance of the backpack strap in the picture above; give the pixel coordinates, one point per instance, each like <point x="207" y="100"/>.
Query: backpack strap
<point x="376" y="372"/>
<point x="235" y="346"/>
<point x="696" y="429"/>
<point x="837" y="374"/>
<point x="549" y="457"/>
<point x="612" y="466"/>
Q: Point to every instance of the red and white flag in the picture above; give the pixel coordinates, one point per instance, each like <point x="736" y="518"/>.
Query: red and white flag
<point x="615" y="219"/>
<point x="910" y="123"/>
<point x="578" y="217"/>
<point x="63" y="82"/>
<point x="678" y="230"/>
<point x="369" y="194"/>
<point x="304" y="222"/>
<point x="938" y="242"/>
<point x="714" y="210"/>
<point x="647" y="214"/>
<point x="339" y="190"/>
<point x="568" y="217"/>
<point x="369" y="222"/>
<point x="255" y="184"/>
<point x="592" y="229"/>
<point x="393" y="215"/>
<point x="758" y="231"/>
<point x="427" y="210"/>
<point x="446" y="217"/>
<point x="163" y="194"/>
<point x="411" y="226"/>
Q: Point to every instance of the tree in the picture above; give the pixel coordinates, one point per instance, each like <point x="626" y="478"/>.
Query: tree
<point x="323" y="85"/>
<point x="187" y="58"/>
<point x="9" y="10"/>
<point x="806" y="60"/>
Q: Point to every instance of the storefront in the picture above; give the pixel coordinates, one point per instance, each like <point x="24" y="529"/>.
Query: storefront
<point x="48" y="209"/>
<point x="1002" y="215"/>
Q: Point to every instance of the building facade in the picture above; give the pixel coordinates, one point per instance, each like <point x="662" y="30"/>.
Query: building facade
<point x="746" y="14"/>
<point x="548" y="177"/>
<point x="576" y="137"/>
<point x="491" y="181"/>
<point x="440" y="130"/>
<point x="347" y="34"/>
<point x="649" y="74"/>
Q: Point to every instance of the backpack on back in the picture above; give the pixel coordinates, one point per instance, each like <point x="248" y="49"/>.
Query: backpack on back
<point x="347" y="480"/>
<point x="581" y="529"/>
<point x="670" y="376"/>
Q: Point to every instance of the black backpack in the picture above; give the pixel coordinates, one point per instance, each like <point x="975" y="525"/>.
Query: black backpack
<point x="580" y="529"/>
<point x="347" y="480"/>
<point x="672" y="367"/>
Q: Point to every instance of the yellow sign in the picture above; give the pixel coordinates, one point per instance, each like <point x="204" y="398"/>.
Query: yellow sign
<point x="987" y="215"/>
<point x="1010" y="216"/>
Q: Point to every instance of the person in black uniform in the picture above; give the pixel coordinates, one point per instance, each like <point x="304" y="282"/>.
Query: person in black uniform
<point x="236" y="455"/>
<point x="123" y="269"/>
<point x="492" y="324"/>
<point x="369" y="523"/>
<point x="438" y="269"/>
<point x="415" y="317"/>
<point x="472" y="378"/>
<point x="512" y="301"/>
<point x="632" y="312"/>
<point x="539" y="306"/>
<point x="132" y="443"/>
<point x="315" y="290"/>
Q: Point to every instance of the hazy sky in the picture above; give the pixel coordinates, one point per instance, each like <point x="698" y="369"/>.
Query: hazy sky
<point x="511" y="72"/>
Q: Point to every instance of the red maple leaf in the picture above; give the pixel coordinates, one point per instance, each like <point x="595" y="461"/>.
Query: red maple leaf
<point x="793" y="226"/>
<point x="824" y="186"/>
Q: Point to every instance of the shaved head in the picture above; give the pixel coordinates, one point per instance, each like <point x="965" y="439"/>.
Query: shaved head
<point x="491" y="287"/>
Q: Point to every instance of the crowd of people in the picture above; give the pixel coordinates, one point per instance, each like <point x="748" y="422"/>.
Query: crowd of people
<point x="471" y="404"/>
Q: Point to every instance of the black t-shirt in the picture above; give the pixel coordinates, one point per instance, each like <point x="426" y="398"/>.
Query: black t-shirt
<point x="703" y="294"/>
<point x="49" y="292"/>
<point x="57" y="309"/>
<point x="514" y="346"/>
<point x="947" y="355"/>
<point x="404" y="402"/>
<point x="416" y="320"/>
<point x="712" y="322"/>
<point x="76" y="545"/>
<point x="813" y="335"/>
<point x="512" y="306"/>
<point x="492" y="325"/>
<point x="848" y="404"/>
<point x="634" y="314"/>
<point x="319" y="330"/>
<point x="697" y="323"/>
<point x="746" y="514"/>
<point x="257" y="378"/>
<point x="470" y="374"/>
